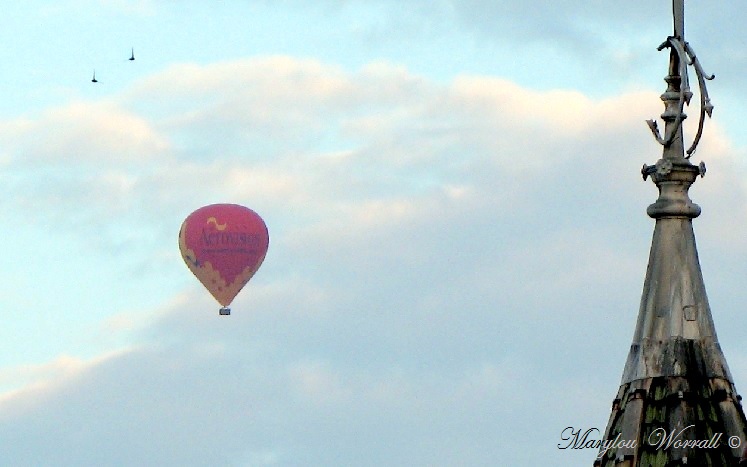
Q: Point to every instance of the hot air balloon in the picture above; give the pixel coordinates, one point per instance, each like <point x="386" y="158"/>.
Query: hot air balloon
<point x="223" y="245"/>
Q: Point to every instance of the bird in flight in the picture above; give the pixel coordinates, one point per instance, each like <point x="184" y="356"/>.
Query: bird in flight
<point x="132" y="58"/>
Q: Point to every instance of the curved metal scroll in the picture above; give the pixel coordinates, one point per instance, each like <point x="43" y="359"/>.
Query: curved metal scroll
<point x="687" y="58"/>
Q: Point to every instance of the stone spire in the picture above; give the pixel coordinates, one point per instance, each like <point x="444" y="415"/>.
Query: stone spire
<point x="676" y="386"/>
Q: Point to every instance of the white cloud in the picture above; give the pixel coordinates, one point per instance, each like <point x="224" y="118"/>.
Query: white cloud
<point x="434" y="250"/>
<point x="33" y="376"/>
<point x="185" y="403"/>
<point x="82" y="132"/>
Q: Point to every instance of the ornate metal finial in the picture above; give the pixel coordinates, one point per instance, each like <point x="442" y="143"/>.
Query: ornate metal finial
<point x="678" y="93"/>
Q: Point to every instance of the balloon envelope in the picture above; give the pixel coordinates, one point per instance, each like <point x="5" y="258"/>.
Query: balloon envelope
<point x="223" y="245"/>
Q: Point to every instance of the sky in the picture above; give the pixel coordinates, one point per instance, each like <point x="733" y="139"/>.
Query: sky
<point x="458" y="236"/>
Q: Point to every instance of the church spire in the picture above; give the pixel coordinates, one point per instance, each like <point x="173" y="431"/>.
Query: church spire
<point x="676" y="383"/>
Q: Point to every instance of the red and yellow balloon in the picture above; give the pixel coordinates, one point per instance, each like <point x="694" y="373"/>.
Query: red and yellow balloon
<point x="224" y="245"/>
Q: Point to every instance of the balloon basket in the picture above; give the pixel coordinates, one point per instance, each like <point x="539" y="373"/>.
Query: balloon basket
<point x="224" y="311"/>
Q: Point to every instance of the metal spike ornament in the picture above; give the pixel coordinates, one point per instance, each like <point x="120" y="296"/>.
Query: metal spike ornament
<point x="678" y="93"/>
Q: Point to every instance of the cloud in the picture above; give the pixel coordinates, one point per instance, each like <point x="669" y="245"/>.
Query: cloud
<point x="34" y="377"/>
<point x="435" y="249"/>
<point x="317" y="125"/>
<point x="245" y="391"/>
<point x="81" y="132"/>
